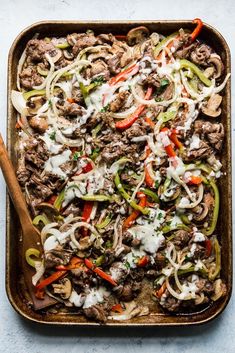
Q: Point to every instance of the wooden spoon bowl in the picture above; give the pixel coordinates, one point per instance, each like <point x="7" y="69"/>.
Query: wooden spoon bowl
<point x="31" y="236"/>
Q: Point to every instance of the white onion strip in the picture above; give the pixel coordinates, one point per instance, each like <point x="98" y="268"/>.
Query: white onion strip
<point x="195" y="203"/>
<point x="19" y="69"/>
<point x="50" y="73"/>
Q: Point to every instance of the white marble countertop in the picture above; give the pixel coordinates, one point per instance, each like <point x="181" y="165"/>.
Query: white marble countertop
<point x="17" y="335"/>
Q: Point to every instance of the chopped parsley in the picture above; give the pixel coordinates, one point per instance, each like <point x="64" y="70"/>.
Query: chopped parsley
<point x="52" y="135"/>
<point x="104" y="109"/>
<point x="164" y="83"/>
<point x="158" y="99"/>
<point x="127" y="265"/>
<point x="159" y="216"/>
<point x="98" y="80"/>
<point x="156" y="184"/>
<point x="76" y="156"/>
<point x="50" y="103"/>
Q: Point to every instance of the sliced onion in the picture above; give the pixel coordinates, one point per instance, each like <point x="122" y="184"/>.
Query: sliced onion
<point x="19" y="69"/>
<point x="138" y="186"/>
<point x="50" y="73"/>
<point x="116" y="233"/>
<point x="195" y="203"/>
<point x="172" y="291"/>
<point x="46" y="229"/>
<point x="151" y="102"/>
<point x="220" y="87"/>
<point x="19" y="102"/>
<point x="40" y="269"/>
<point x="125" y="113"/>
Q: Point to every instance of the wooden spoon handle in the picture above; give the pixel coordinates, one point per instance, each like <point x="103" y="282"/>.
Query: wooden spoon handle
<point x="14" y="187"/>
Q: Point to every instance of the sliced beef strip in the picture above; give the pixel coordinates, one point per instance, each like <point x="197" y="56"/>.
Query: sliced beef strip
<point x="139" y="128"/>
<point x="72" y="109"/>
<point x="203" y="151"/>
<point x="124" y="292"/>
<point x="119" y="101"/>
<point x="77" y="95"/>
<point x="107" y="119"/>
<point x="29" y="77"/>
<point x="160" y="261"/>
<point x="36" y="49"/>
<point x="205" y="286"/>
<point x="98" y="68"/>
<point x="36" y="153"/>
<point x="96" y="312"/>
<point x="23" y="175"/>
<point x="201" y="54"/>
<point x="56" y="257"/>
<point x="82" y="41"/>
<point x="106" y="38"/>
<point x="114" y="64"/>
<point x="153" y="80"/>
<point x="170" y="303"/>
<point x="185" y="52"/>
<point x="213" y="132"/>
<point x="117" y="149"/>
<point x="168" y="93"/>
<point x="181" y="238"/>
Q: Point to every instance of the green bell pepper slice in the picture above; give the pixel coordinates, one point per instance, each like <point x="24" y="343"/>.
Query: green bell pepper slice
<point x="64" y="45"/>
<point x="210" y="230"/>
<point x="127" y="197"/>
<point x="34" y="92"/>
<point x="31" y="252"/>
<point x="151" y="194"/>
<point x="40" y="218"/>
<point x="186" y="64"/>
<point x="98" y="198"/>
<point x="104" y="223"/>
<point x="163" y="42"/>
<point x="59" y="200"/>
<point x="215" y="273"/>
<point x="167" y="229"/>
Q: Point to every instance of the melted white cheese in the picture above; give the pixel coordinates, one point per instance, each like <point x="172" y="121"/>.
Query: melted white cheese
<point x="76" y="299"/>
<point x="194" y="142"/>
<point x="53" y="164"/>
<point x="95" y="296"/>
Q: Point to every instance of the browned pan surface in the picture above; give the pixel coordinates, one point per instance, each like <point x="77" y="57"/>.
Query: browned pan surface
<point x="16" y="290"/>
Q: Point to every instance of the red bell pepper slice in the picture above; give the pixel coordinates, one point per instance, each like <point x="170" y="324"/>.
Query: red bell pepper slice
<point x="50" y="279"/>
<point x="149" y="122"/>
<point x="160" y="292"/>
<point x="197" y="30"/>
<point x="75" y="262"/>
<point x="132" y="217"/>
<point x="126" y="123"/>
<point x="120" y="37"/>
<point x="87" y="168"/>
<point x="208" y="247"/>
<point x="99" y="272"/>
<point x="148" y="179"/>
<point x="86" y="213"/>
<point x="170" y="151"/>
<point x="175" y="140"/>
<point x="123" y="74"/>
<point x="71" y="100"/>
<point x="143" y="261"/>
<point x="194" y="180"/>
<point x="52" y="199"/>
<point x="117" y="308"/>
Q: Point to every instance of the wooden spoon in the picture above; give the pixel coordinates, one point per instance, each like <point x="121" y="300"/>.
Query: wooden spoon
<point x="31" y="236"/>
